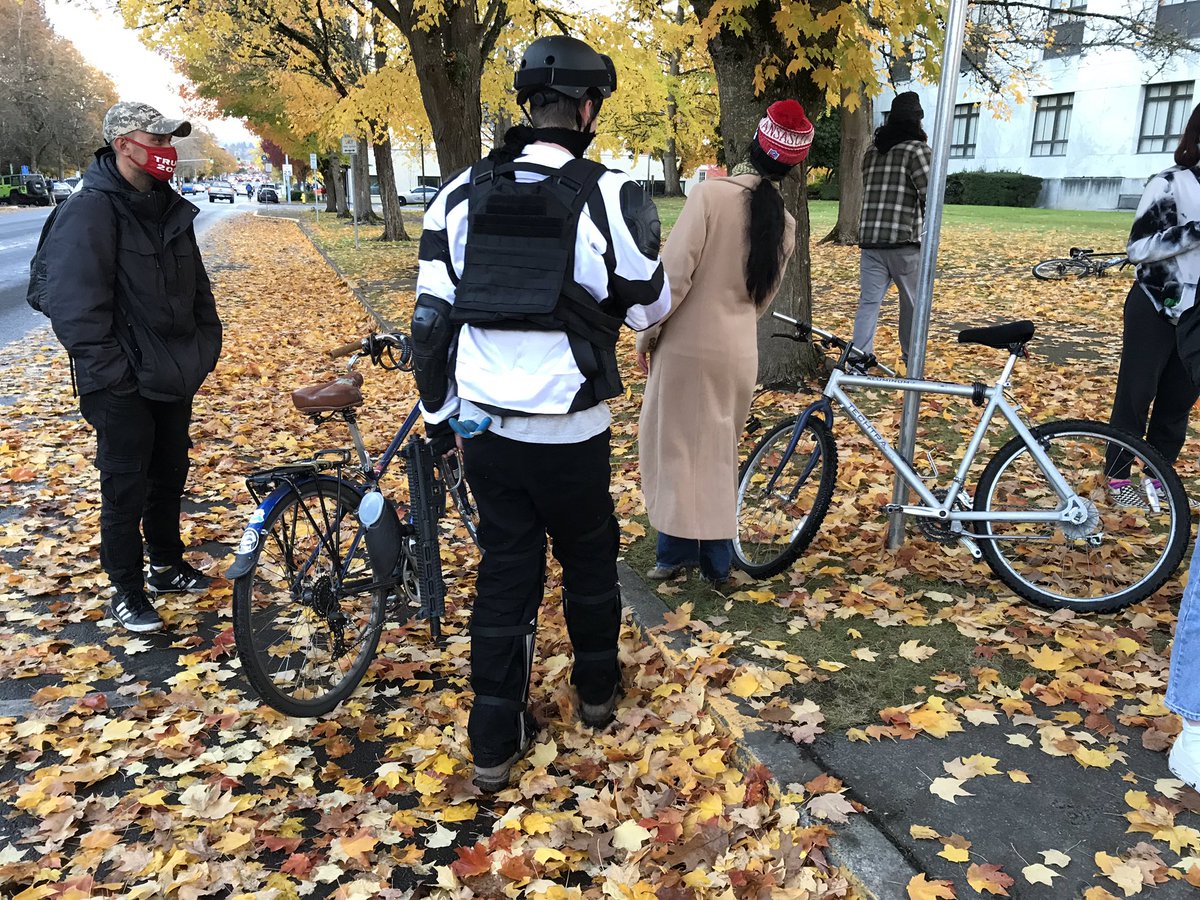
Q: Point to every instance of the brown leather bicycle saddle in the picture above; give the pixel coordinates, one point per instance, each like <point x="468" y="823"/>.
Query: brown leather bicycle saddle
<point x="341" y="393"/>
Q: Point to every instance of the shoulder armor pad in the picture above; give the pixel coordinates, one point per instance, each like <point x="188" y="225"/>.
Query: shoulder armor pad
<point x="641" y="218"/>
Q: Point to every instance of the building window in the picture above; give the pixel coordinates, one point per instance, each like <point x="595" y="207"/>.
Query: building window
<point x="1164" y="113"/>
<point x="965" y="129"/>
<point x="1065" y="29"/>
<point x="1051" y="123"/>
<point x="1180" y="17"/>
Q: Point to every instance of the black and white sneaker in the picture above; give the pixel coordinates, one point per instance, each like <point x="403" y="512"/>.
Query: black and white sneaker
<point x="134" y="612"/>
<point x="178" y="579"/>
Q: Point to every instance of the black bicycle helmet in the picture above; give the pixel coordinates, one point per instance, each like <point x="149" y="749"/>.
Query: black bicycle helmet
<point x="565" y="65"/>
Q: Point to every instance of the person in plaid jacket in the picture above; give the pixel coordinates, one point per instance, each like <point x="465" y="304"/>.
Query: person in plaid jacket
<point x="895" y="177"/>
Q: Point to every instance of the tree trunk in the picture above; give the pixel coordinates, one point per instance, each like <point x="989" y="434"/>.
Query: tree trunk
<point x="329" y="175"/>
<point x="362" y="185"/>
<point x="734" y="60"/>
<point x="856" y="133"/>
<point x="671" y="185"/>
<point x="449" y="64"/>
<point x="341" y="191"/>
<point x="393" y="221"/>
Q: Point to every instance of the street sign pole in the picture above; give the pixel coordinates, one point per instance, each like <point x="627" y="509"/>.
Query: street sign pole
<point x="350" y="146"/>
<point x="956" y="24"/>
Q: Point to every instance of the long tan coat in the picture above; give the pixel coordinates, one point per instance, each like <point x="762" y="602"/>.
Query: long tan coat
<point x="703" y="367"/>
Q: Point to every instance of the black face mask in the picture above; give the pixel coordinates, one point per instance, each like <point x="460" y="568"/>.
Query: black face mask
<point x="576" y="142"/>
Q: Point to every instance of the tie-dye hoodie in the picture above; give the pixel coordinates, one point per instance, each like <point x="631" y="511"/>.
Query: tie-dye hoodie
<point x="1165" y="240"/>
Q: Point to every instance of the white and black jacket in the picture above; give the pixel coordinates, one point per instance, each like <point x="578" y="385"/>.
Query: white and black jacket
<point x="531" y="372"/>
<point x="1165" y="241"/>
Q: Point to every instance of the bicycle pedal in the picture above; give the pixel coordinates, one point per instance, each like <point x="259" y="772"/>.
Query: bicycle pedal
<point x="890" y="508"/>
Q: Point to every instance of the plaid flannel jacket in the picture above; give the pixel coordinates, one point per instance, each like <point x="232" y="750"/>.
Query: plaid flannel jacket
<point x="894" y="184"/>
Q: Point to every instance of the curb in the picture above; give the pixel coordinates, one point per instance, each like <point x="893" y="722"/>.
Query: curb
<point x="859" y="847"/>
<point x="384" y="324"/>
<point x="862" y="849"/>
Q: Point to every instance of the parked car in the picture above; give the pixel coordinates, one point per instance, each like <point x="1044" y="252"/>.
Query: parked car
<point x="60" y="190"/>
<point x="420" y="194"/>
<point x="268" y="193"/>
<point x="187" y="188"/>
<point x="221" y="190"/>
<point x="25" y="190"/>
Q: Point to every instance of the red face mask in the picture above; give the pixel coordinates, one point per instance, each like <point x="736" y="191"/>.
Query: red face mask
<point x="160" y="161"/>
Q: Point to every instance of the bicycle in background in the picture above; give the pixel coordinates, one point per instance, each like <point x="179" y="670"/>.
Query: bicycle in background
<point x="326" y="548"/>
<point x="1044" y="515"/>
<point x="1083" y="261"/>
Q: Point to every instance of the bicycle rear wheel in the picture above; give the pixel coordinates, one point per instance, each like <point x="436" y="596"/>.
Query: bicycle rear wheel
<point x="782" y="499"/>
<point x="1134" y="537"/>
<point x="304" y="636"/>
<point x="1057" y="269"/>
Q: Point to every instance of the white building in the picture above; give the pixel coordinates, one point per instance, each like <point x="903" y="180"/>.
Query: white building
<point x="1098" y="125"/>
<point x="408" y="167"/>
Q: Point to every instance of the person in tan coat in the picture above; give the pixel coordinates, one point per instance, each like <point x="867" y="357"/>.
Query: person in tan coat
<point x="724" y="261"/>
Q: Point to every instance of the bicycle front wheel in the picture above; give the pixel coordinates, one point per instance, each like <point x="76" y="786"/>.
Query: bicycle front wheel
<point x="782" y="497"/>
<point x="305" y="629"/>
<point x="1057" y="269"/>
<point x="1137" y="528"/>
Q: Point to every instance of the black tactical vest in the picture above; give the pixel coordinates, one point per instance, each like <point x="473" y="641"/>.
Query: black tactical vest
<point x="519" y="265"/>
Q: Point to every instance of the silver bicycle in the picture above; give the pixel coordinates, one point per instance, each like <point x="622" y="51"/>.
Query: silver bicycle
<point x="1069" y="514"/>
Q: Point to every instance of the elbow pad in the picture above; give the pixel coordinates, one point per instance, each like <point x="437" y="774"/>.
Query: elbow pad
<point x="432" y="336"/>
<point x="641" y="218"/>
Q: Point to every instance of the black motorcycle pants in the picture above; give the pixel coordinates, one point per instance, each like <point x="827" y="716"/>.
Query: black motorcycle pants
<point x="526" y="492"/>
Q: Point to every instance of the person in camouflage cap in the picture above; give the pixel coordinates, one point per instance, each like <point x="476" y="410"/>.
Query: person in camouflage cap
<point x="128" y="296"/>
<point x="127" y="117"/>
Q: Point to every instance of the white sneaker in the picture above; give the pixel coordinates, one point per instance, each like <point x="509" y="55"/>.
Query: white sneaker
<point x="1184" y="759"/>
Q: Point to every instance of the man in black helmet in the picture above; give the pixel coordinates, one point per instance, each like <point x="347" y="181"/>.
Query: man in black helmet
<point x="531" y="260"/>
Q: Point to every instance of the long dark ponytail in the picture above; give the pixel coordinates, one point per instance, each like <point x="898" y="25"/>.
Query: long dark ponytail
<point x="764" y="228"/>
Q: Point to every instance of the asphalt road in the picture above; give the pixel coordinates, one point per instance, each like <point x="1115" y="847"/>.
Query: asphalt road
<point x="19" y="230"/>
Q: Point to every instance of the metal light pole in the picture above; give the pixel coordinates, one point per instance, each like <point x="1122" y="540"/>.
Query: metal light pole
<point x="956" y="25"/>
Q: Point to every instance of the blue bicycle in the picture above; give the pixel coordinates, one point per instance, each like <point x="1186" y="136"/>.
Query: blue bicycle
<point x="325" y="548"/>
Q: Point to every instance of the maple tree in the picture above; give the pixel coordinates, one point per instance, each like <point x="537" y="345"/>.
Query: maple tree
<point x="235" y="46"/>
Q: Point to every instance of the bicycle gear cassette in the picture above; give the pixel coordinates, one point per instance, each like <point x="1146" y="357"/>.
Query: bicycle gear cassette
<point x="1085" y="529"/>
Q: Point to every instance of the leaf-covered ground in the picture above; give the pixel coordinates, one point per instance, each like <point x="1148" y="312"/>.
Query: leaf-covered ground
<point x="922" y="644"/>
<point x="144" y="767"/>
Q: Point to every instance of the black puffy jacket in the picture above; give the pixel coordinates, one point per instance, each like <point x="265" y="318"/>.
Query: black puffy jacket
<point x="126" y="290"/>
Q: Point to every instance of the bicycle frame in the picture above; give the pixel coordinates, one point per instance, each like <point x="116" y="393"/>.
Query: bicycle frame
<point x="1072" y="511"/>
<point x="285" y="481"/>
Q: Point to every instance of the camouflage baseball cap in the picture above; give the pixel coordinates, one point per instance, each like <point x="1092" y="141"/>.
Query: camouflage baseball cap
<point x="125" y="117"/>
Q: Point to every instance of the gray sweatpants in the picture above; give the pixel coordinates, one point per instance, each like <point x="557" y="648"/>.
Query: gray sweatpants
<point x="878" y="269"/>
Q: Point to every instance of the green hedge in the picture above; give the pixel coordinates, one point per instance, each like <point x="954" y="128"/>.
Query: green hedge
<point x="993" y="188"/>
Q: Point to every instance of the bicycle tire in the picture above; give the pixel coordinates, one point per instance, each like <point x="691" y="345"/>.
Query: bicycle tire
<point x="1058" y="269"/>
<point x="816" y="454"/>
<point x="257" y="617"/>
<point x="1092" y="554"/>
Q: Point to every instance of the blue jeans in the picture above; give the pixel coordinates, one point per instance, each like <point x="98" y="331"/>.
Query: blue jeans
<point x="713" y="557"/>
<point x="1183" y="685"/>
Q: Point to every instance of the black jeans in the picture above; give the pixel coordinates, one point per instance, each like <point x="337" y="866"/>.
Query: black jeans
<point x="142" y="454"/>
<point x="1151" y="372"/>
<point x="524" y="492"/>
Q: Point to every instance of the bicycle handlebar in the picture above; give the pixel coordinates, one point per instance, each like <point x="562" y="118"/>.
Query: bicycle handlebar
<point x="391" y="351"/>
<point x="807" y="330"/>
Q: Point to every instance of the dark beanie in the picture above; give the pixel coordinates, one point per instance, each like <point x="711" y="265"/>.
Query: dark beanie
<point x="907" y="106"/>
